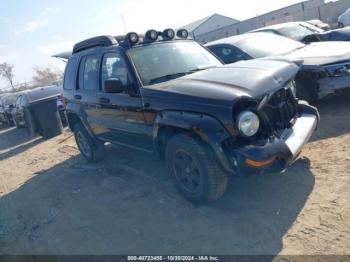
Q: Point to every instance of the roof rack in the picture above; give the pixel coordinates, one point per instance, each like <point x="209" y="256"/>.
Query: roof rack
<point x="98" y="41"/>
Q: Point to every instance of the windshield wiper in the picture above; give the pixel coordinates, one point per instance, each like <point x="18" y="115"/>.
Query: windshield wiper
<point x="167" y="77"/>
<point x="176" y="75"/>
<point x="201" y="68"/>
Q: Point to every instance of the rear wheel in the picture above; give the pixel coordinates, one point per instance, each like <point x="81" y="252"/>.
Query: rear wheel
<point x="92" y="149"/>
<point x="340" y="25"/>
<point x="196" y="174"/>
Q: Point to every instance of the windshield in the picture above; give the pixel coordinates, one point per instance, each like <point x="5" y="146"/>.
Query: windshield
<point x="266" y="44"/>
<point x="165" y="61"/>
<point x="298" y="31"/>
<point x="9" y="100"/>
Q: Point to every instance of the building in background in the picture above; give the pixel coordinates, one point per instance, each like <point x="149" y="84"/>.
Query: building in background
<point x="208" y="24"/>
<point x="304" y="11"/>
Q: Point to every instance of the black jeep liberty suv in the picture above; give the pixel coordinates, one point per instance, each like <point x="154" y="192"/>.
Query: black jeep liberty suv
<point x="163" y="93"/>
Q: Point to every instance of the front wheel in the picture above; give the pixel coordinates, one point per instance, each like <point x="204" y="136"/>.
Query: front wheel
<point x="92" y="149"/>
<point x="196" y="174"/>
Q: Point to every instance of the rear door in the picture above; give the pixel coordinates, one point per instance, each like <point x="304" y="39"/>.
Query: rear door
<point x="121" y="113"/>
<point x="87" y="88"/>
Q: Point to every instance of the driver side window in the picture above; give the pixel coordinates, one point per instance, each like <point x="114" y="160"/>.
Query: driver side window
<point x="114" y="66"/>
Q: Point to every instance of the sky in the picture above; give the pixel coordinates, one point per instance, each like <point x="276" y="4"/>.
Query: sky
<point x="32" y="31"/>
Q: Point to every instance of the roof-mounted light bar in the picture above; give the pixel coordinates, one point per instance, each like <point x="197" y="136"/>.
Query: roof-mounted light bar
<point x="182" y="33"/>
<point x="151" y="35"/>
<point x="168" y="34"/>
<point x="132" y="38"/>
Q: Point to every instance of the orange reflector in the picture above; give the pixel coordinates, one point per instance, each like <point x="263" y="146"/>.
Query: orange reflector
<point x="259" y="163"/>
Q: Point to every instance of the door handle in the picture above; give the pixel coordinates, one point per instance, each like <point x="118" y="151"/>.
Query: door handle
<point x="104" y="100"/>
<point x="78" y="97"/>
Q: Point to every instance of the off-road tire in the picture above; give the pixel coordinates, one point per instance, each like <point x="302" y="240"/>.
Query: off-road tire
<point x="97" y="148"/>
<point x="213" y="180"/>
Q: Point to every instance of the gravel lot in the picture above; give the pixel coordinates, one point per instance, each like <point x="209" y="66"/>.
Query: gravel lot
<point x="53" y="202"/>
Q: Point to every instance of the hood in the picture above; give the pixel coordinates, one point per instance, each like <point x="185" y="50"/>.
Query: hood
<point x="252" y="78"/>
<point x="322" y="53"/>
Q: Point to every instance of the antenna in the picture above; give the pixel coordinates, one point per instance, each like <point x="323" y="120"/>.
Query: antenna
<point x="124" y="25"/>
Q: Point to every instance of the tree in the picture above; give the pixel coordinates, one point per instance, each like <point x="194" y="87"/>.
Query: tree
<point x="45" y="76"/>
<point x="6" y="71"/>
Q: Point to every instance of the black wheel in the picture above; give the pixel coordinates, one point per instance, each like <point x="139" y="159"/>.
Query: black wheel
<point x="196" y="174"/>
<point x="92" y="149"/>
<point x="340" y="25"/>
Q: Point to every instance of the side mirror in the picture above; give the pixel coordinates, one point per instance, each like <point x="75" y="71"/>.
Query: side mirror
<point x="114" y="85"/>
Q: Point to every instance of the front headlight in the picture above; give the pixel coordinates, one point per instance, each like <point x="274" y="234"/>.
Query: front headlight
<point x="248" y="123"/>
<point x="338" y="69"/>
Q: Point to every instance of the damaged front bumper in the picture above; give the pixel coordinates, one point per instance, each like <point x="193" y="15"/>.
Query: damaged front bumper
<point x="274" y="154"/>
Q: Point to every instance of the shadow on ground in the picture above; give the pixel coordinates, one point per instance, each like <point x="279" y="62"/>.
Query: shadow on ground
<point x="335" y="117"/>
<point x="15" y="141"/>
<point x="127" y="205"/>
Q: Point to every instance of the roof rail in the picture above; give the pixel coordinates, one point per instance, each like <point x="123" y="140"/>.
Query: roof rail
<point x="98" y="41"/>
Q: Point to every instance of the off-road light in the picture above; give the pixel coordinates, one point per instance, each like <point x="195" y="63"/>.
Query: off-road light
<point x="168" y="34"/>
<point x="132" y="37"/>
<point x="151" y="35"/>
<point x="182" y="33"/>
<point x="248" y="123"/>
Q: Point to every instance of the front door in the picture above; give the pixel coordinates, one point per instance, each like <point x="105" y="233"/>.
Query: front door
<point x="121" y="113"/>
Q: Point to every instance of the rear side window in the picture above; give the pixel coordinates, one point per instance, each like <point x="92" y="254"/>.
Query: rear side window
<point x="89" y="73"/>
<point x="70" y="75"/>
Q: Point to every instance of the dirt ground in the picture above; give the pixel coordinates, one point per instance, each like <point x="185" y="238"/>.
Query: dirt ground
<point x="53" y="202"/>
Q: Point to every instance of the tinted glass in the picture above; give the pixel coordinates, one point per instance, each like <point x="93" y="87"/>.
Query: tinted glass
<point x="165" y="61"/>
<point x="114" y="66"/>
<point x="70" y="75"/>
<point x="90" y="76"/>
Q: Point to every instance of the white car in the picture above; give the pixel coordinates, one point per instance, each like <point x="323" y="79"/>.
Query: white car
<point x="344" y="19"/>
